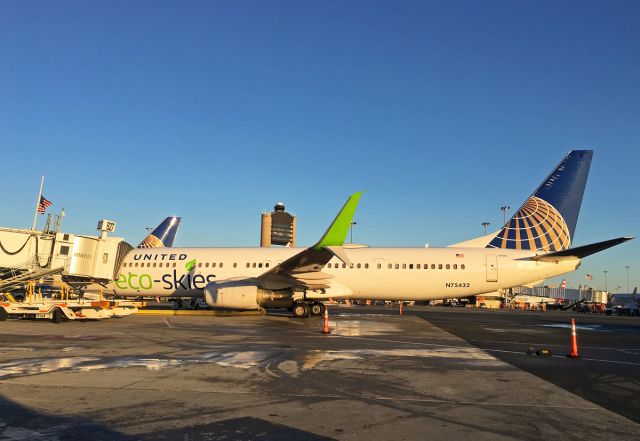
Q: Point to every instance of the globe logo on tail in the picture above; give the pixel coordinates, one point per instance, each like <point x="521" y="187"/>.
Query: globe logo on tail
<point x="151" y="242"/>
<point x="536" y="226"/>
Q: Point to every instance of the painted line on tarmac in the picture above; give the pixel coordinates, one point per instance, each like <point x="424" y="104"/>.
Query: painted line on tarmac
<point x="564" y="357"/>
<point x="471" y="346"/>
<point x="547" y="344"/>
<point x="417" y="343"/>
<point x="608" y="361"/>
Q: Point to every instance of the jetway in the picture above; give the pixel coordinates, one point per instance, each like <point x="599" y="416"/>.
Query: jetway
<point x="28" y="255"/>
<point x="569" y="294"/>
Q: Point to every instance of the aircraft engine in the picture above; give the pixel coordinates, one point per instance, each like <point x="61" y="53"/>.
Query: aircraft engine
<point x="234" y="294"/>
<point x="242" y="294"/>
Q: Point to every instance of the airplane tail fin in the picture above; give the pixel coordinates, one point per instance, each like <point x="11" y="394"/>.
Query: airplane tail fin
<point x="163" y="235"/>
<point x="547" y="220"/>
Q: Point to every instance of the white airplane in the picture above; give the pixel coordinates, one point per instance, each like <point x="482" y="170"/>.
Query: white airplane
<point x="532" y="246"/>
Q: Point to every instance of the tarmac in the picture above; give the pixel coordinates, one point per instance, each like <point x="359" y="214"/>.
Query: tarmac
<point x="378" y="376"/>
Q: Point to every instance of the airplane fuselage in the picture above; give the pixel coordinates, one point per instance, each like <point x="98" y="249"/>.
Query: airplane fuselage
<point x="375" y="273"/>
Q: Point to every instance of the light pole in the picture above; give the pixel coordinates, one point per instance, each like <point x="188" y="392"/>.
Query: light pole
<point x="628" y="287"/>
<point x="351" y="228"/>
<point x="504" y="209"/>
<point x="605" y="280"/>
<point x="485" y="225"/>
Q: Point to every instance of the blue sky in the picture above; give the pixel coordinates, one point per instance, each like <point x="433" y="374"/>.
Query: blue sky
<point x="442" y="111"/>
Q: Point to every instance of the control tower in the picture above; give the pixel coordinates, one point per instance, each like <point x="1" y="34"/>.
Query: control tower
<point x="278" y="228"/>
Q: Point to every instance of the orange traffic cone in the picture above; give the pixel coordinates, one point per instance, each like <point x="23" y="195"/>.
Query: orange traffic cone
<point x="574" y="341"/>
<point x="325" y="328"/>
<point x="400" y="308"/>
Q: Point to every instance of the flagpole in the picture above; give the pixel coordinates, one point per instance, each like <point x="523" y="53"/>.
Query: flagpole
<point x="35" y="215"/>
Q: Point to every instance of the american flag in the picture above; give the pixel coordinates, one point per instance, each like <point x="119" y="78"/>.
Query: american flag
<point x="563" y="285"/>
<point x="43" y="204"/>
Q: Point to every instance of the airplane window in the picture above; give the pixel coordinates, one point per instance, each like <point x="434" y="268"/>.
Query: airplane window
<point x="206" y="265"/>
<point x="448" y="266"/>
<point x="328" y="265"/>
<point x="439" y="266"/>
<point x="366" y="265"/>
<point x="411" y="266"/>
<point x="220" y="265"/>
<point x="344" y="265"/>
<point x="417" y="266"/>
<point x="248" y="265"/>
<point x="397" y="265"/>
<point x="260" y="265"/>
<point x="213" y="265"/>
<point x="358" y="265"/>
<point x="390" y="266"/>
<point x="167" y="265"/>
<point x="266" y="265"/>
<point x="148" y="264"/>
<point x="404" y="266"/>
<point x="379" y="265"/>
<point x="462" y="266"/>
<point x="455" y="266"/>
<point x="351" y="266"/>
<point x="433" y="266"/>
<point x="253" y="264"/>
<point x="235" y="265"/>
<point x="174" y="264"/>
<point x="426" y="266"/>
<point x="199" y="264"/>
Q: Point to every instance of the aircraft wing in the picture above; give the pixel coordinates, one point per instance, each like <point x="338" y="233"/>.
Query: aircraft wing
<point x="580" y="252"/>
<point x="304" y="270"/>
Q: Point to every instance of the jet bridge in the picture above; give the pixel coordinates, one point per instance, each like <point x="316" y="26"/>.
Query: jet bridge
<point x="30" y="255"/>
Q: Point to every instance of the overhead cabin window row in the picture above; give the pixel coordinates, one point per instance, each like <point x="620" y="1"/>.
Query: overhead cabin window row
<point x="255" y="265"/>
<point x="410" y="266"/>
<point x="210" y="264"/>
<point x="200" y="265"/>
<point x="149" y="265"/>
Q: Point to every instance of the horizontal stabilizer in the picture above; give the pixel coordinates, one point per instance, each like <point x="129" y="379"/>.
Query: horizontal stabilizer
<point x="580" y="252"/>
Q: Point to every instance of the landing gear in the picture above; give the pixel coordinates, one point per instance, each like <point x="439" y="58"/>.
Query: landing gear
<point x="300" y="310"/>
<point x="317" y="308"/>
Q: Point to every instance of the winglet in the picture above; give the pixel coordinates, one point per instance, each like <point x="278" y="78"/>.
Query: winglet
<point x="339" y="228"/>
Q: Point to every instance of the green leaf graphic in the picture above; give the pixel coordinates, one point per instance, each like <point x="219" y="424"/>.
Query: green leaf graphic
<point x="190" y="265"/>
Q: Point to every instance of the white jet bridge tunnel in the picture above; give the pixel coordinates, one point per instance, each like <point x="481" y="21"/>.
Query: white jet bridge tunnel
<point x="79" y="260"/>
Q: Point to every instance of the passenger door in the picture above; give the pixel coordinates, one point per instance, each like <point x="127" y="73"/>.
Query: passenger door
<point x="492" y="268"/>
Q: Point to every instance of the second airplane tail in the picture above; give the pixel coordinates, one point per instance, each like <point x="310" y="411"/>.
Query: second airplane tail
<point x="163" y="235"/>
<point x="547" y="220"/>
